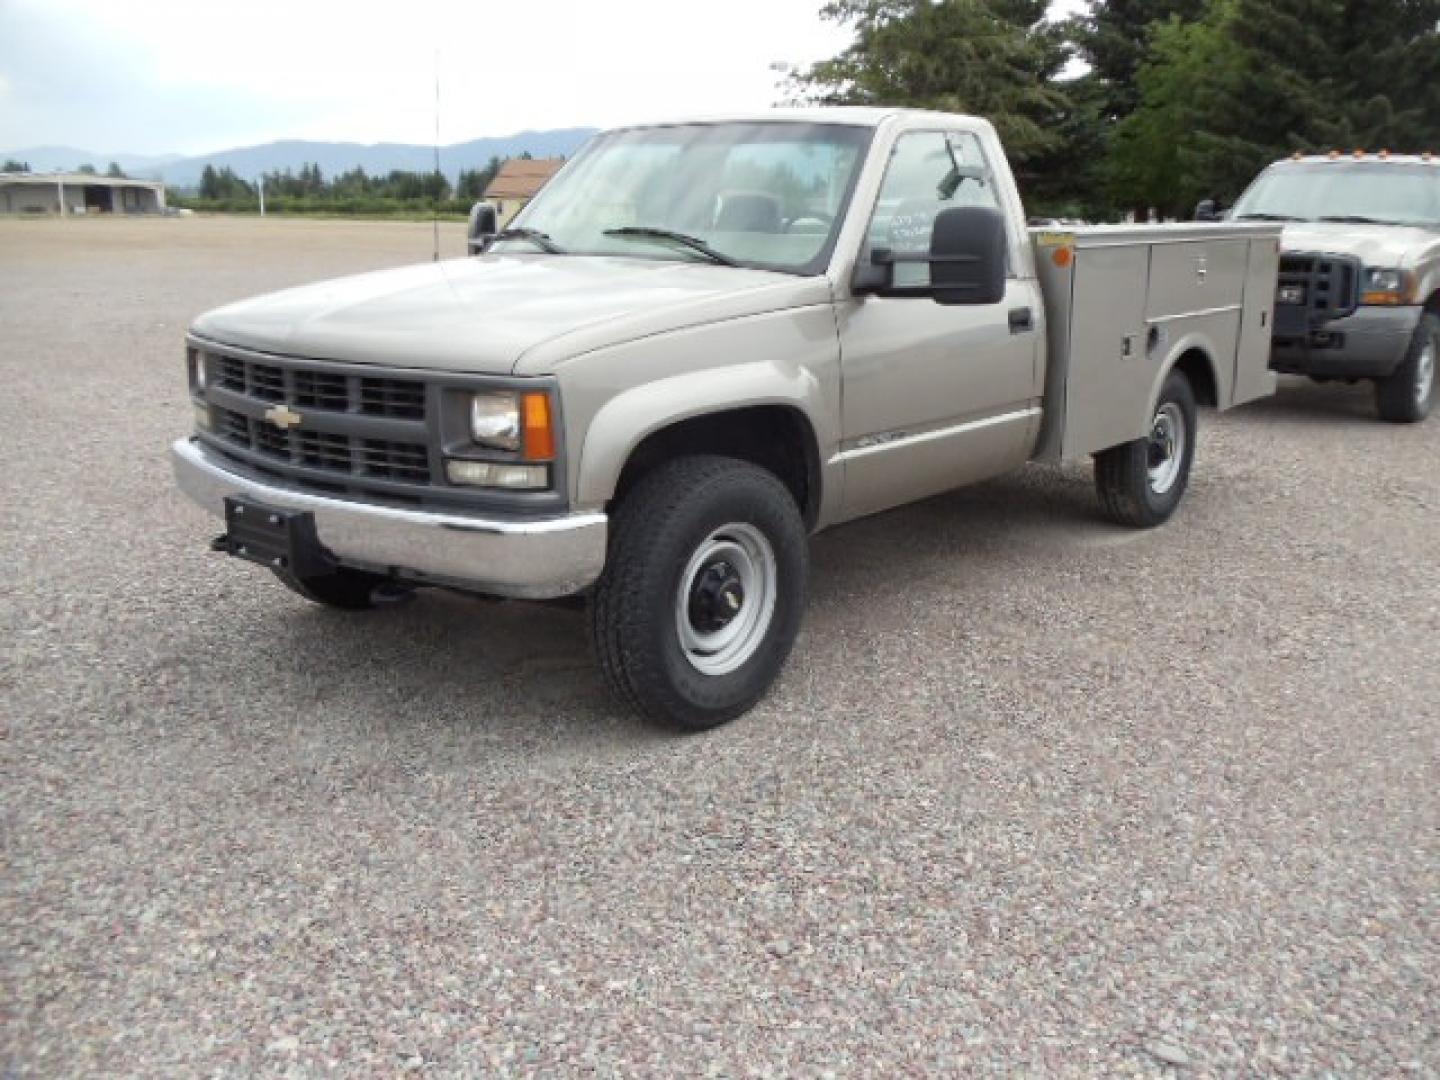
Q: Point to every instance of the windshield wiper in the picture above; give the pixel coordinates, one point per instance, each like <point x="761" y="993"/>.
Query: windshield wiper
<point x="535" y="236"/>
<point x="1266" y="217"/>
<point x="1356" y="219"/>
<point x="694" y="243"/>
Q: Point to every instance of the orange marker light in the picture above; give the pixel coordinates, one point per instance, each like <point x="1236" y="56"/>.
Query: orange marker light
<point x="1063" y="256"/>
<point x="538" y="426"/>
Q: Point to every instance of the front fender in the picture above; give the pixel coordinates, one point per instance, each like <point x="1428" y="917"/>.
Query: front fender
<point x="791" y="359"/>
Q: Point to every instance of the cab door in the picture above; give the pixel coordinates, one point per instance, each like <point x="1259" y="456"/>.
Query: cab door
<point x="934" y="396"/>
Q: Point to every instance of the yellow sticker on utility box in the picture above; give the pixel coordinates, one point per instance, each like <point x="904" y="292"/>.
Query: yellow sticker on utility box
<point x="1048" y="239"/>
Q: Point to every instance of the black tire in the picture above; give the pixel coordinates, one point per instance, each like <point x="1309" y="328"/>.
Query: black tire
<point x="349" y="590"/>
<point x="1407" y="396"/>
<point x="666" y="522"/>
<point x="1123" y="478"/>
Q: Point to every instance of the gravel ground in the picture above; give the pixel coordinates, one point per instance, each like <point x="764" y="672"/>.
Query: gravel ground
<point x="1036" y="796"/>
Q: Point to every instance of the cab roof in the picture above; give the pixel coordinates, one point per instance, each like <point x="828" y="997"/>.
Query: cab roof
<point x="1341" y="157"/>
<point x="849" y="115"/>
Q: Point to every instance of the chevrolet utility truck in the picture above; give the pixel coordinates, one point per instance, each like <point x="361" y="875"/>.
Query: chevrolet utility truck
<point x="702" y="342"/>
<point x="1359" y="289"/>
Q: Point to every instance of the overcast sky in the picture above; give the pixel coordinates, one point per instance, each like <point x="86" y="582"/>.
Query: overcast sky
<point x="193" y="76"/>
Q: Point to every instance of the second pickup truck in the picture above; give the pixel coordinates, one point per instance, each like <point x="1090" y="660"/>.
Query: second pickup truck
<point x="700" y="343"/>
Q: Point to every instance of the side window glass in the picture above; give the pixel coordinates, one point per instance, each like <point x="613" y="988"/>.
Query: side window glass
<point x="929" y="171"/>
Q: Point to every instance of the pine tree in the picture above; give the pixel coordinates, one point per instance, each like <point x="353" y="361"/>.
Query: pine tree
<point x="992" y="58"/>
<point x="1114" y="38"/>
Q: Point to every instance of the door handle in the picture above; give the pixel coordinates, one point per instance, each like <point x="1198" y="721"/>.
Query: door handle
<point x="1021" y="321"/>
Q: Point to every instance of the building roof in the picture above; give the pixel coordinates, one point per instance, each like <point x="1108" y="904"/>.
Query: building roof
<point x="76" y="180"/>
<point x="521" y="178"/>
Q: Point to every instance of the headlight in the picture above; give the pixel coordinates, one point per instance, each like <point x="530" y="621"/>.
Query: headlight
<point x="495" y="420"/>
<point x="1383" y="285"/>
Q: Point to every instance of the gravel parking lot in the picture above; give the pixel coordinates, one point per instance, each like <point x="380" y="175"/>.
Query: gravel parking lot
<point x="1036" y="795"/>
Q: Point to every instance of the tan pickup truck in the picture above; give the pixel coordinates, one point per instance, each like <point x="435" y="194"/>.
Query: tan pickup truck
<point x="702" y="342"/>
<point x="1359" y="287"/>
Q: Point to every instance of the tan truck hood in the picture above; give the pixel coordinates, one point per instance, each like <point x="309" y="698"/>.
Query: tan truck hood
<point x="502" y="313"/>
<point x="1377" y="245"/>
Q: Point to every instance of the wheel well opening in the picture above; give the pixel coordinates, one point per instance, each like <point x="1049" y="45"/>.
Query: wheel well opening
<point x="1195" y="366"/>
<point x="774" y="437"/>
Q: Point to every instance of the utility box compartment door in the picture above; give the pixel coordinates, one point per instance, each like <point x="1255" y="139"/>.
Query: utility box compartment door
<point x="1253" y="377"/>
<point x="1108" y="380"/>
<point x="1194" y="277"/>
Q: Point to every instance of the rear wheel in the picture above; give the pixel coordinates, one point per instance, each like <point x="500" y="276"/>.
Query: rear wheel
<point x="1140" y="483"/>
<point x="703" y="591"/>
<point x="1407" y="396"/>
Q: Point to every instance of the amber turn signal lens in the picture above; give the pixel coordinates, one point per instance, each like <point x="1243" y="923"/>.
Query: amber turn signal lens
<point x="1063" y="256"/>
<point x="538" y="425"/>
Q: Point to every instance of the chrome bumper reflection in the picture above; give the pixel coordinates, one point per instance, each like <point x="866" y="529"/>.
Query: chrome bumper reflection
<point x="531" y="559"/>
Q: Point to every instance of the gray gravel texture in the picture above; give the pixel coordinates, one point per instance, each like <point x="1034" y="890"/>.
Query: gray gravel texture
<point x="1035" y="796"/>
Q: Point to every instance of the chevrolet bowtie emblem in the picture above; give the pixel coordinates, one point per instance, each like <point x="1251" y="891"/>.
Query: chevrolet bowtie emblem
<point x="282" y="416"/>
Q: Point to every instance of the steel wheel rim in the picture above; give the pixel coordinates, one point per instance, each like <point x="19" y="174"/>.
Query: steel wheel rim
<point x="1167" y="447"/>
<point x="732" y="556"/>
<point x="1425" y="374"/>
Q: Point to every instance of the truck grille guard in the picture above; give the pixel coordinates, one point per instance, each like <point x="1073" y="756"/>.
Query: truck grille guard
<point x="1314" y="289"/>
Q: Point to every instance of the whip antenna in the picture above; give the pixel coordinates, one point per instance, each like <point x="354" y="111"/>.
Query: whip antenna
<point x="435" y="221"/>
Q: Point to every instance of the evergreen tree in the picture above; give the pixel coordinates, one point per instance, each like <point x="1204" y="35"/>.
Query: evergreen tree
<point x="1113" y="37"/>
<point x="992" y="58"/>
<point x="115" y="171"/>
<point x="1258" y="79"/>
<point x="1153" y="152"/>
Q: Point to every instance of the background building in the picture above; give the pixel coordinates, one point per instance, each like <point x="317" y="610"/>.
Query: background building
<point x="48" y="193"/>
<point x="517" y="182"/>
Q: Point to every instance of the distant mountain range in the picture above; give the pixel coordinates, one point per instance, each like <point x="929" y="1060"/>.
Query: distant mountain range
<point x="332" y="157"/>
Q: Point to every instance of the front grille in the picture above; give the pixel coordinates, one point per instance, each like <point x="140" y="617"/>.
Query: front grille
<point x="1329" y="285"/>
<point x="381" y="459"/>
<point x="358" y="433"/>
<point x="400" y="399"/>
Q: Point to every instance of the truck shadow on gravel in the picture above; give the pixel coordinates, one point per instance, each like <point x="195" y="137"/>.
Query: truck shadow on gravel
<point x="520" y="672"/>
<point x="1300" y="401"/>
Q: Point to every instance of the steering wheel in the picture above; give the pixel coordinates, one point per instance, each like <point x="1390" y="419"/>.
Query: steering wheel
<point x="822" y="217"/>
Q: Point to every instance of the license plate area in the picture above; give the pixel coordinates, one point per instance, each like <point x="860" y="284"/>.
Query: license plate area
<point x="284" y="540"/>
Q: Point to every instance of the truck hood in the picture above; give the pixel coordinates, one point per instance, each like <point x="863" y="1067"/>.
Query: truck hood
<point x="1376" y="245"/>
<point x="501" y="313"/>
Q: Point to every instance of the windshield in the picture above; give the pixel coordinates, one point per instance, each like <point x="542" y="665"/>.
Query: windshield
<point x="1394" y="194"/>
<point x="767" y="194"/>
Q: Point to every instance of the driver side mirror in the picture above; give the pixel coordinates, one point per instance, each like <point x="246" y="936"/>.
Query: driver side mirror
<point x="966" y="258"/>
<point x="1207" y="210"/>
<point x="484" y="224"/>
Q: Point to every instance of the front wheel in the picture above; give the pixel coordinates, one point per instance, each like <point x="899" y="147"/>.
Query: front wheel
<point x="1407" y="395"/>
<point x="1140" y="483"/>
<point x="702" y="593"/>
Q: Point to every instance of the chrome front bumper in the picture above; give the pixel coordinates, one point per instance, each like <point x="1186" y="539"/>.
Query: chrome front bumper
<point x="535" y="560"/>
